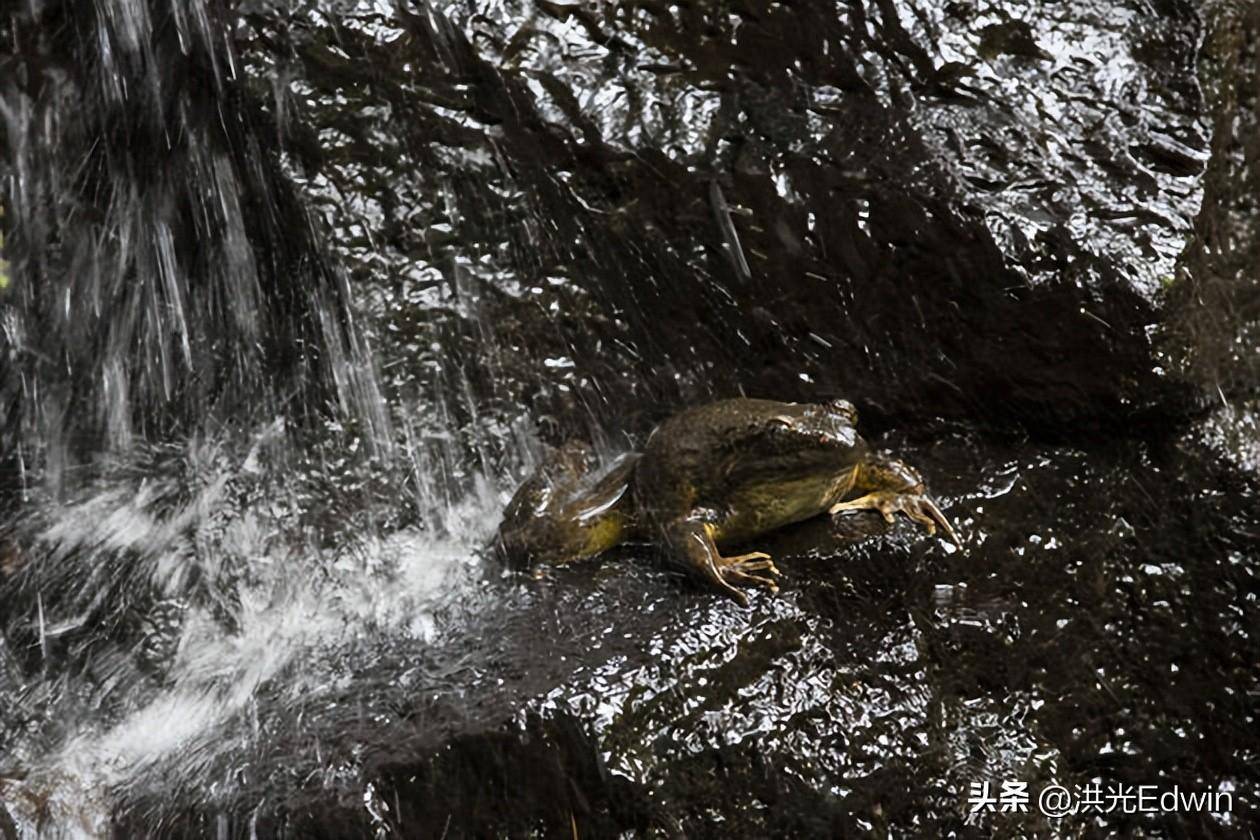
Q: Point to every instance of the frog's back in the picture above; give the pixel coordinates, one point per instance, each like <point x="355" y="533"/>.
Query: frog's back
<point x="698" y="432"/>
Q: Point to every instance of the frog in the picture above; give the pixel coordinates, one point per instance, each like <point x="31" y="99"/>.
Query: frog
<point x="711" y="477"/>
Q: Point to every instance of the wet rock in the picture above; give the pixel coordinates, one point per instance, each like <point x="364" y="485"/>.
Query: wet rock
<point x="1213" y="321"/>
<point x="930" y="232"/>
<point x="1095" y="624"/>
<point x="1011" y="38"/>
<point x="956" y="217"/>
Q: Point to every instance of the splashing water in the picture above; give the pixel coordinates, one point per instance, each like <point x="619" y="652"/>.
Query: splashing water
<point x="256" y="614"/>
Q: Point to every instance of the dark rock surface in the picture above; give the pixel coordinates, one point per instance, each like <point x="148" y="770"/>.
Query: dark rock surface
<point x="1096" y="625"/>
<point x="961" y="218"/>
<point x="932" y="228"/>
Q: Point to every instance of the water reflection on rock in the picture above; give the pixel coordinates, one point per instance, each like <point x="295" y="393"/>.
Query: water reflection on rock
<point x="956" y="216"/>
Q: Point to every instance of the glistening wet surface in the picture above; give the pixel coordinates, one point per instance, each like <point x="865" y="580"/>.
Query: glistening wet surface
<point x="1097" y="624"/>
<point x="262" y="407"/>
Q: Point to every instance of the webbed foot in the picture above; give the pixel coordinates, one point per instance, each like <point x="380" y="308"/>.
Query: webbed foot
<point x="743" y="568"/>
<point x="913" y="503"/>
<point x="695" y="543"/>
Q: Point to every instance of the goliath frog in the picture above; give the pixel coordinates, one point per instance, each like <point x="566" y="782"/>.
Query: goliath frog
<point x="716" y="475"/>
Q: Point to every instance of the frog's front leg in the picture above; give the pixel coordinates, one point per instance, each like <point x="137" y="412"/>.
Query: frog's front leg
<point x="890" y="486"/>
<point x="693" y="541"/>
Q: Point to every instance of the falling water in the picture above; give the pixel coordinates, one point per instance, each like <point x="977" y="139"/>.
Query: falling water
<point x="172" y="327"/>
<point x="167" y="280"/>
<point x="295" y="292"/>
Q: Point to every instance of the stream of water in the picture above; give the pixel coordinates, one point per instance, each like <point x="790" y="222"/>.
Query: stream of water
<point x="294" y="294"/>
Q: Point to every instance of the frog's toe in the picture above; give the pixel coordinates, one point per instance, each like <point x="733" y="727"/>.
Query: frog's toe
<point x="717" y="576"/>
<point x="724" y="583"/>
<point x="727" y="574"/>
<point x="921" y="509"/>
<point x="741" y="558"/>
<point x="926" y="505"/>
<point x="753" y="569"/>
<point x="913" y="503"/>
<point x="733" y="575"/>
<point x="915" y="512"/>
<point x="754" y="561"/>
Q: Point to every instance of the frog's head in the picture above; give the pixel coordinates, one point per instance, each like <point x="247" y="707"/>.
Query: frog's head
<point x="804" y="438"/>
<point x="828" y="425"/>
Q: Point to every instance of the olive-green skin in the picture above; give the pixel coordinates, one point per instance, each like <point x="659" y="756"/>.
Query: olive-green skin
<point x="746" y="466"/>
<point x="710" y="476"/>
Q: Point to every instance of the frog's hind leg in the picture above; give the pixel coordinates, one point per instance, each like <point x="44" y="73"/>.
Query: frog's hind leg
<point x="694" y="541"/>
<point x="893" y="487"/>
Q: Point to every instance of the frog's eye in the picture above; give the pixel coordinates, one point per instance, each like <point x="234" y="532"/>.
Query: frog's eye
<point x="783" y="421"/>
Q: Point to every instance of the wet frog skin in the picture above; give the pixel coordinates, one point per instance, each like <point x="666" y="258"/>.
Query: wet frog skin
<point x="710" y="476"/>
